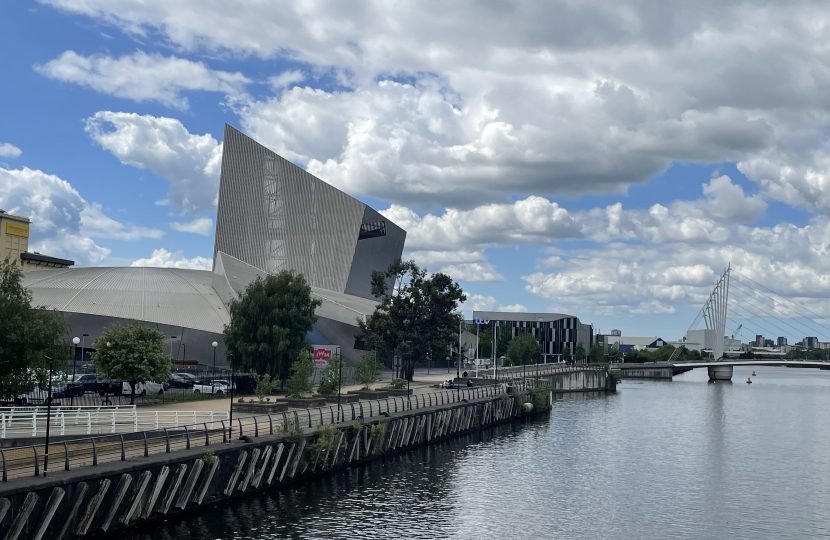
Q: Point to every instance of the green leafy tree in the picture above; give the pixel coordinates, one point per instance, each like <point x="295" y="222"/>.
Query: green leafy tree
<point x="367" y="369"/>
<point x="614" y="355"/>
<point x="27" y="334"/>
<point x="301" y="371"/>
<point x="595" y="354"/>
<point x="566" y="353"/>
<point x="662" y="354"/>
<point x="269" y="324"/>
<point x="485" y="344"/>
<point x="132" y="353"/>
<point x="503" y="339"/>
<point x="579" y="352"/>
<point x="416" y="316"/>
<point x="523" y="349"/>
<point x="264" y="386"/>
<point x="331" y="373"/>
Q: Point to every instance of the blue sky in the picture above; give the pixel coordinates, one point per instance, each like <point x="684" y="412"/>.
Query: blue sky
<point x="610" y="168"/>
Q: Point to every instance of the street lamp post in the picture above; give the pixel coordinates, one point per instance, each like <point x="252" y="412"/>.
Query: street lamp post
<point x="48" y="417"/>
<point x="75" y="340"/>
<point x="458" y="364"/>
<point x="213" y="382"/>
<point x="340" y="380"/>
<point x="171" y="345"/>
<point x="233" y="384"/>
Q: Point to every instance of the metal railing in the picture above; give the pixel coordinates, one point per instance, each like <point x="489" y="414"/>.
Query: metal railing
<point x="534" y="371"/>
<point x="18" y="422"/>
<point x="92" y="451"/>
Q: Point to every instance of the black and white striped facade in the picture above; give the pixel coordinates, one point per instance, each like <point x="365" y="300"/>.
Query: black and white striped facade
<point x="554" y="331"/>
<point x="274" y="215"/>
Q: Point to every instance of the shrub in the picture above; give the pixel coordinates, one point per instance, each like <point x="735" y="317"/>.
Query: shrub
<point x="294" y="433"/>
<point x="241" y="400"/>
<point x="208" y="457"/>
<point x="398" y="384"/>
<point x="324" y="445"/>
<point x="327" y="389"/>
<point x="357" y="427"/>
<point x="264" y="386"/>
<point x="367" y="369"/>
<point x="301" y="371"/>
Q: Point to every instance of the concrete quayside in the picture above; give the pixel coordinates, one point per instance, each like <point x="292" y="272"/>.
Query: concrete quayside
<point x="103" y="499"/>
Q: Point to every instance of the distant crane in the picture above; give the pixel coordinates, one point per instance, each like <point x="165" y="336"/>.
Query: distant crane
<point x="737" y="330"/>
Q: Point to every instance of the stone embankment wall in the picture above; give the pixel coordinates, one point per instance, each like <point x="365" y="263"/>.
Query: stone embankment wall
<point x="647" y="372"/>
<point x="101" y="500"/>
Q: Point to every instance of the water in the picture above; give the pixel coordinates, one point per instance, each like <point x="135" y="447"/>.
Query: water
<point x="659" y="460"/>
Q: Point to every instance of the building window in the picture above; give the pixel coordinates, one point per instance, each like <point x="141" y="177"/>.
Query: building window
<point x="372" y="230"/>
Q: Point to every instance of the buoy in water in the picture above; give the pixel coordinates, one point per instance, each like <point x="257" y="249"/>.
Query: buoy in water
<point x="753" y="374"/>
<point x="748" y="380"/>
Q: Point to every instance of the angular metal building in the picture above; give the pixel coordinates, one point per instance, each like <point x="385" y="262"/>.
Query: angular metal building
<point x="272" y="215"/>
<point x="276" y="216"/>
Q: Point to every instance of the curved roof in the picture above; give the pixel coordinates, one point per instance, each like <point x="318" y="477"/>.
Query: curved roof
<point x="171" y="296"/>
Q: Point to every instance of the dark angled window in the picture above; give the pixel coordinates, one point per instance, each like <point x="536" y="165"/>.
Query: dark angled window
<point x="372" y="230"/>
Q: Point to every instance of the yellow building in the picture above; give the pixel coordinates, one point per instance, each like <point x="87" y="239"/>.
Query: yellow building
<point x="14" y="245"/>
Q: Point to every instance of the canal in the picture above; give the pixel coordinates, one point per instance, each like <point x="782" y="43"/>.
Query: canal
<point x="680" y="459"/>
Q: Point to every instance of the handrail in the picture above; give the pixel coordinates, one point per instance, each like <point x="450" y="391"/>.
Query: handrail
<point x="166" y="439"/>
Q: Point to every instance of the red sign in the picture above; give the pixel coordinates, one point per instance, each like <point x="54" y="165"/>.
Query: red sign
<point x="322" y="354"/>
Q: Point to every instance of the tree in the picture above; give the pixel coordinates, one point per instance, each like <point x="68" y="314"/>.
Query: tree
<point x="503" y="339"/>
<point x="367" y="369"/>
<point x="614" y="355"/>
<point x="331" y="373"/>
<point x="595" y="354"/>
<point x="133" y="353"/>
<point x="269" y="324"/>
<point x="579" y="352"/>
<point x="523" y="349"/>
<point x="264" y="386"/>
<point x="416" y="316"/>
<point x="566" y="353"/>
<point x="485" y="344"/>
<point x="27" y="335"/>
<point x="301" y="371"/>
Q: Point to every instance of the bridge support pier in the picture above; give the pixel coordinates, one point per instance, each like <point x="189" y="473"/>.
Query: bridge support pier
<point x="720" y="373"/>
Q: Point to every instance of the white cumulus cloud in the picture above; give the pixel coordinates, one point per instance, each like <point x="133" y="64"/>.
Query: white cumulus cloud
<point x="96" y="224"/>
<point x="191" y="163"/>
<point x="142" y="77"/>
<point x="203" y="226"/>
<point x="166" y="259"/>
<point x="9" y="150"/>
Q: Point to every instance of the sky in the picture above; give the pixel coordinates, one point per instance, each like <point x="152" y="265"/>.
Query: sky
<point x="603" y="159"/>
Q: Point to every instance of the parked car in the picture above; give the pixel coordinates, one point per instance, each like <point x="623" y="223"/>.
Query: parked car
<point x="177" y="380"/>
<point x="88" y="380"/>
<point x="72" y="389"/>
<point x="218" y="388"/>
<point x="189" y="376"/>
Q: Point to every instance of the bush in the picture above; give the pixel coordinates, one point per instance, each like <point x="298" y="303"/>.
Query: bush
<point x="301" y="371"/>
<point x="241" y="400"/>
<point x="398" y="384"/>
<point x="208" y="457"/>
<point x="264" y="386"/>
<point x="367" y="370"/>
<point x="294" y="433"/>
<point x="327" y="389"/>
<point x="324" y="445"/>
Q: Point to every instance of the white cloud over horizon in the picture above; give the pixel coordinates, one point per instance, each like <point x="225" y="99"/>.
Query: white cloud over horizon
<point x="9" y="150"/>
<point x="202" y="226"/>
<point x="165" y="259"/>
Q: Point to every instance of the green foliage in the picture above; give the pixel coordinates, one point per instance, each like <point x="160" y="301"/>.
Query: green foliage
<point x="294" y="433"/>
<point x="579" y="352"/>
<point x="416" y="316"/>
<point x="357" y="427"/>
<point x="208" y="457"/>
<point x="538" y="396"/>
<point x="367" y="369"/>
<point x="485" y="344"/>
<point x="566" y="354"/>
<point x="264" y="386"/>
<point x="377" y="431"/>
<point x="241" y="400"/>
<point x="614" y="355"/>
<point x="269" y="323"/>
<point x="331" y="373"/>
<point x="301" y="371"/>
<point x="398" y="384"/>
<point x="523" y="349"/>
<point x="27" y="334"/>
<point x="662" y="355"/>
<point x="595" y="354"/>
<point x="132" y="353"/>
<point x="323" y="446"/>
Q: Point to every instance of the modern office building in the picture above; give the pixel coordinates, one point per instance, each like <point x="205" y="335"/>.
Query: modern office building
<point x="781" y="341"/>
<point x="811" y="342"/>
<point x="554" y="331"/>
<point x="14" y="245"/>
<point x="272" y="215"/>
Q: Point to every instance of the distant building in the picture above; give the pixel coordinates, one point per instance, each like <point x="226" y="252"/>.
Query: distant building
<point x="769" y="343"/>
<point x="759" y="340"/>
<point x="704" y="340"/>
<point x="811" y="342"/>
<point x="625" y="343"/>
<point x="781" y="342"/>
<point x="14" y="245"/>
<point x="554" y="331"/>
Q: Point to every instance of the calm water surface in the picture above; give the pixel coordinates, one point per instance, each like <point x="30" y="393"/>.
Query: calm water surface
<point x="680" y="459"/>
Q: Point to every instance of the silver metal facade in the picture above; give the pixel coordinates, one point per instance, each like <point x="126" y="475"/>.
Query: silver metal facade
<point x="274" y="215"/>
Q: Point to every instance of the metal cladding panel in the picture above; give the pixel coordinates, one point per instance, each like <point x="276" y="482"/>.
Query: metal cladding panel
<point x="274" y="215"/>
<point x="374" y="254"/>
<point x="182" y="298"/>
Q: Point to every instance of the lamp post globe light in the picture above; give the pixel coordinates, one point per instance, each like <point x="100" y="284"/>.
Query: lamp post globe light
<point x="48" y="417"/>
<point x="213" y="384"/>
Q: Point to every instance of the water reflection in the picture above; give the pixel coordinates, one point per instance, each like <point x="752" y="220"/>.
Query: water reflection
<point x="681" y="459"/>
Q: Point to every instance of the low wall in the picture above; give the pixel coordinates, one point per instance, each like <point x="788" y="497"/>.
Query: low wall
<point x="109" y="497"/>
<point x="647" y="372"/>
